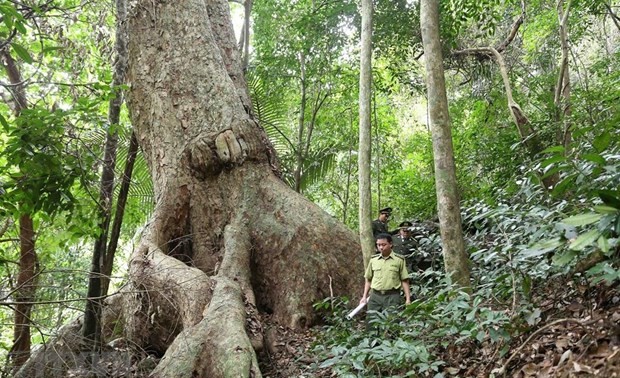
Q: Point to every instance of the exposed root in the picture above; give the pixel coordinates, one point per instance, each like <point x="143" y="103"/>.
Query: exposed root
<point x="198" y="350"/>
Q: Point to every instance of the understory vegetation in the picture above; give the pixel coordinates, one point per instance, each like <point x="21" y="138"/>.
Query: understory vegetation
<point x="529" y="259"/>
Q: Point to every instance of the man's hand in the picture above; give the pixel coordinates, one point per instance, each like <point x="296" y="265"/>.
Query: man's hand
<point x="364" y="300"/>
<point x="407" y="302"/>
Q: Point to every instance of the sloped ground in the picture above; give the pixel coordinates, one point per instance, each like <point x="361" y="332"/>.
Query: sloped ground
<point x="578" y="335"/>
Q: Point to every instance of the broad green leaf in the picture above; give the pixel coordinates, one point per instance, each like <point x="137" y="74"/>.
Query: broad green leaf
<point x="610" y="198"/>
<point x="20" y="27"/>
<point x="553" y="159"/>
<point x="603" y="244"/>
<point x="554" y="149"/>
<point x="541" y="248"/>
<point x="601" y="142"/>
<point x="595" y="158"/>
<point x="4" y="123"/>
<point x="584" y="240"/>
<point x="563" y="185"/>
<point x="604" y="209"/>
<point x="22" y="52"/>
<point x="47" y="49"/>
<point x="564" y="258"/>
<point x="582" y="219"/>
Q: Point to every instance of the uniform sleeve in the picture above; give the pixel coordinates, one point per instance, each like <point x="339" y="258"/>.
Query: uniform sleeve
<point x="368" y="273"/>
<point x="404" y="274"/>
<point x="375" y="229"/>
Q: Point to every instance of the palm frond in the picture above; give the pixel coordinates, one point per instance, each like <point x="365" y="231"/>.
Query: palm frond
<point x="317" y="164"/>
<point x="269" y="115"/>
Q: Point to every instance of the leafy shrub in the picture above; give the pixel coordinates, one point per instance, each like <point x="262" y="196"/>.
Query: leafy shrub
<point x="411" y="342"/>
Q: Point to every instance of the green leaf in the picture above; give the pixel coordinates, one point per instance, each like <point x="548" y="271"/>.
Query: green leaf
<point x="603" y="244"/>
<point x="22" y="52"/>
<point x="604" y="209"/>
<point x="565" y="258"/>
<point x="561" y="187"/>
<point x="4" y="123"/>
<point x="47" y="49"/>
<point x="584" y="240"/>
<point x="554" y="149"/>
<point x="595" y="158"/>
<point x="553" y="159"/>
<point x="610" y="198"/>
<point x="20" y="27"/>
<point x="601" y="142"/>
<point x="582" y="219"/>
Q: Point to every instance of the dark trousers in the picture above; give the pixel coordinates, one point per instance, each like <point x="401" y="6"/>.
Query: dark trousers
<point x="381" y="302"/>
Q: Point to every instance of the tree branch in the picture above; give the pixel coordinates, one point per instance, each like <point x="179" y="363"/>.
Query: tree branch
<point x="614" y="17"/>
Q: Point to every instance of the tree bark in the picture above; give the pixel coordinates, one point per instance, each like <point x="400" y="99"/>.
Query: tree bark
<point x="299" y="150"/>
<point x="365" y="215"/>
<point x="563" y="87"/>
<point x="228" y="240"/>
<point x="25" y="291"/>
<point x="456" y="261"/>
<point x="92" y="313"/>
<point x="26" y="278"/>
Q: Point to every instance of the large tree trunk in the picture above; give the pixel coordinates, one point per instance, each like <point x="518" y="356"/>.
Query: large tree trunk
<point x="456" y="260"/>
<point x="365" y="206"/>
<point x="228" y="240"/>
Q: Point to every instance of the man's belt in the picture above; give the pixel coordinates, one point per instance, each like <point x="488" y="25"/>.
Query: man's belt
<point x="386" y="292"/>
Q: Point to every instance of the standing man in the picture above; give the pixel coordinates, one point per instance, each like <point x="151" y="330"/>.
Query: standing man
<point x="379" y="225"/>
<point x="405" y="244"/>
<point x="385" y="275"/>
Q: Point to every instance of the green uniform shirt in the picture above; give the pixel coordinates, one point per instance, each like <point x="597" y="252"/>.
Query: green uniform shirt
<point x="386" y="273"/>
<point x="379" y="227"/>
<point x="404" y="246"/>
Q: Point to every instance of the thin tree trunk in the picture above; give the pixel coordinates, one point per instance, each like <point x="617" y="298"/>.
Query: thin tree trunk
<point x="378" y="150"/>
<point x="108" y="262"/>
<point x="347" y="192"/>
<point x="365" y="206"/>
<point x="301" y="124"/>
<point x="92" y="314"/>
<point x="563" y="86"/>
<point x="456" y="261"/>
<point x="26" y="278"/>
<point x="25" y="292"/>
<point x="246" y="35"/>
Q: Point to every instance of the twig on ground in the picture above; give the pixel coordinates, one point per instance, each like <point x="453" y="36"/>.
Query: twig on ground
<point x="502" y="370"/>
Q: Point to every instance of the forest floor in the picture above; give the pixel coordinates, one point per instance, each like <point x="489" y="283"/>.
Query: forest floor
<point x="578" y="335"/>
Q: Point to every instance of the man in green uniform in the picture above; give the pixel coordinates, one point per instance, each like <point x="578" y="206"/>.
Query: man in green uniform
<point x="405" y="244"/>
<point x="385" y="275"/>
<point x="379" y="225"/>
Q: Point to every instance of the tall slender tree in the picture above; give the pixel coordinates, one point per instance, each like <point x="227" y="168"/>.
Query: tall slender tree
<point x="456" y="261"/>
<point x="365" y="207"/>
<point x="92" y="314"/>
<point x="26" y="278"/>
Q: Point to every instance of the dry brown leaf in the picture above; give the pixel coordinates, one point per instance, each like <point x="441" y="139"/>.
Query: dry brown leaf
<point x="530" y="370"/>
<point x="561" y="343"/>
<point x="547" y="372"/>
<point x="566" y="356"/>
<point x="601" y="351"/>
<point x="582" y="368"/>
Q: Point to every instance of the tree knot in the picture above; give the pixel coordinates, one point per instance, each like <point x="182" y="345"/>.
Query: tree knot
<point x="229" y="148"/>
